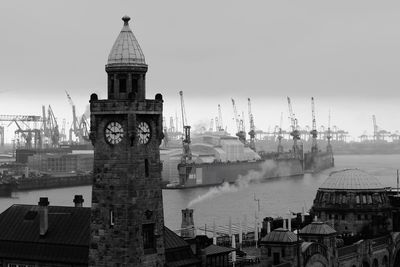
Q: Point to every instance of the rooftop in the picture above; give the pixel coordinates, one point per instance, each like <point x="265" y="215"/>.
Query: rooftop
<point x="126" y="50"/>
<point x="280" y="235"/>
<point x="317" y="228"/>
<point x="351" y="179"/>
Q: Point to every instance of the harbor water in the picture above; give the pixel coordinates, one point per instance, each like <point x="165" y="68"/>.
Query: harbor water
<point x="273" y="197"/>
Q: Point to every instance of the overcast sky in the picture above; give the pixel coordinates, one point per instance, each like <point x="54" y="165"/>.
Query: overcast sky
<point x="344" y="53"/>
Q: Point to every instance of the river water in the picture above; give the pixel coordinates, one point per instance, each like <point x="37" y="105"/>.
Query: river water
<point x="276" y="196"/>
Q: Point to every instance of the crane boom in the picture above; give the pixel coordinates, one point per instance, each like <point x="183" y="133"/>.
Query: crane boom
<point x="184" y="120"/>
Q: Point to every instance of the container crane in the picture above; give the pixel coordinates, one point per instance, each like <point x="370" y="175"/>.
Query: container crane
<point x="313" y="132"/>
<point x="187" y="154"/>
<point x="252" y="132"/>
<point x="241" y="134"/>
<point x="376" y="136"/>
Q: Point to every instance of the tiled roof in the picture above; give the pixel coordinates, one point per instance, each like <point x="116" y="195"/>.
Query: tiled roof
<point x="44" y="252"/>
<point x="172" y="240"/>
<point x="317" y="228"/>
<point x="67" y="238"/>
<point x="214" y="249"/>
<point x="67" y="225"/>
<point x="351" y="179"/>
<point x="126" y="49"/>
<point x="280" y="235"/>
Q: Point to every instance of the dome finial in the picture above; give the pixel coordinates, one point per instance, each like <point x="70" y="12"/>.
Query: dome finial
<point x="126" y="19"/>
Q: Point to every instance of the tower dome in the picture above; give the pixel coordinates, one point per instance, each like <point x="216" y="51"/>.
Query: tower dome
<point x="126" y="49"/>
<point x="354" y="202"/>
<point x="126" y="68"/>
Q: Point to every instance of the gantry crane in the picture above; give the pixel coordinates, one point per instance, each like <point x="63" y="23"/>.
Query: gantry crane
<point x="294" y="130"/>
<point x="252" y="132"/>
<point x="314" y="133"/>
<point x="241" y="134"/>
<point x="25" y="133"/>
<point x="187" y="154"/>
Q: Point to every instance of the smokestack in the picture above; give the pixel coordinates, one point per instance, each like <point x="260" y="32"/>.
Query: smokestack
<point x="43" y="215"/>
<point x="78" y="200"/>
<point x="187" y="223"/>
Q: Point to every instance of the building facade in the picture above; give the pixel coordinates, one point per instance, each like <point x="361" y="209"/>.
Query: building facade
<point x="356" y="225"/>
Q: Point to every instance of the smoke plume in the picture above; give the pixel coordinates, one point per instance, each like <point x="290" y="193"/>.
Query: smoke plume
<point x="268" y="169"/>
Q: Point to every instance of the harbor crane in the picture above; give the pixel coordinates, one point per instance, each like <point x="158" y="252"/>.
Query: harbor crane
<point x="187" y="154"/>
<point x="79" y="127"/>
<point x="280" y="147"/>
<point x="50" y="127"/>
<point x="252" y="132"/>
<point x="241" y="134"/>
<point x="314" y="133"/>
<point x="220" y="124"/>
<point x="294" y="129"/>
<point x="328" y="137"/>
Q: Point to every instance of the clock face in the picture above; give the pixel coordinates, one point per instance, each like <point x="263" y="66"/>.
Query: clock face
<point x="114" y="133"/>
<point x="143" y="132"/>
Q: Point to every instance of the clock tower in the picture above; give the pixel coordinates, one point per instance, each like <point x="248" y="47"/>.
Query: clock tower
<point x="127" y="221"/>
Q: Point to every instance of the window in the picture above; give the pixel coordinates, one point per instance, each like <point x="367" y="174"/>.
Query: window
<point x="364" y="199"/>
<point x="134" y="87"/>
<point x="359" y="217"/>
<point x="343" y="216"/>
<point x="146" y="167"/>
<point x="269" y="252"/>
<point x="122" y="85"/>
<point x="358" y="199"/>
<point x="112" y="84"/>
<point x="112" y="218"/>
<point x="149" y="244"/>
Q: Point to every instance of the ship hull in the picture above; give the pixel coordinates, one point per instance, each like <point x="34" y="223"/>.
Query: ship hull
<point x="316" y="162"/>
<point x="209" y="174"/>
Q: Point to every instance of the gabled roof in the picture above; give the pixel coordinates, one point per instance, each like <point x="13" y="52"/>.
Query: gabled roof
<point x="214" y="249"/>
<point x="280" y="235"/>
<point x="317" y="228"/>
<point x="126" y="50"/>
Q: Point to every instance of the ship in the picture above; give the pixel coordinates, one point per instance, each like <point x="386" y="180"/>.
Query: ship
<point x="214" y="158"/>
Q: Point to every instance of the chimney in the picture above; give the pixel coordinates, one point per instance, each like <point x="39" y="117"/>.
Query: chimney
<point x="43" y="215"/>
<point x="78" y="200"/>
<point x="187" y="224"/>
